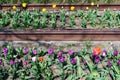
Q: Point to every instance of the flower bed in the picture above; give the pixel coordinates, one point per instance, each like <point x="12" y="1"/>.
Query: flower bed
<point x="34" y="63"/>
<point x="90" y="19"/>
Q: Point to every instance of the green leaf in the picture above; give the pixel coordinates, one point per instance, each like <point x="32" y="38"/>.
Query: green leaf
<point x="28" y="77"/>
<point x="79" y="69"/>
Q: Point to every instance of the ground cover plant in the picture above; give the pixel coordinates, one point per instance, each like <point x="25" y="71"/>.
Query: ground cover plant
<point x="45" y="19"/>
<point x="54" y="64"/>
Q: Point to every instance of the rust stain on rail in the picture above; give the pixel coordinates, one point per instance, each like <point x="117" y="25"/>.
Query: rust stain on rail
<point x="61" y="35"/>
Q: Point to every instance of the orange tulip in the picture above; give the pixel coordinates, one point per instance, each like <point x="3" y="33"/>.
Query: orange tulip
<point x="96" y="51"/>
<point x="40" y="59"/>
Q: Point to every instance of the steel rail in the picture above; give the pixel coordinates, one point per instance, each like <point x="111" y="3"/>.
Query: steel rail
<point x="61" y="35"/>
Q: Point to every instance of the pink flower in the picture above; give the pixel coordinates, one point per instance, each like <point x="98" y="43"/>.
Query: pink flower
<point x="61" y="59"/>
<point x="5" y="51"/>
<point x="11" y="62"/>
<point x="109" y="64"/>
<point x="34" y="51"/>
<point x="50" y="51"/>
<point x="25" y="63"/>
<point x="16" y="60"/>
<point x="59" y="53"/>
<point x="70" y="52"/>
<point x="25" y="50"/>
<point x="73" y="61"/>
<point x="115" y="52"/>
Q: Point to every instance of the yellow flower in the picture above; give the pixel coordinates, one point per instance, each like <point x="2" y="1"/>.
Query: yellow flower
<point x="72" y="8"/>
<point x="24" y="5"/>
<point x="14" y="7"/>
<point x="87" y="8"/>
<point x="54" y="6"/>
<point x="44" y="9"/>
<point x="92" y="3"/>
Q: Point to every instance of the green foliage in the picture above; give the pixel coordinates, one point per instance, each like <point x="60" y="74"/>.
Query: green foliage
<point x="53" y="20"/>
<point x="36" y="19"/>
<point x="72" y="19"/>
<point x="45" y="68"/>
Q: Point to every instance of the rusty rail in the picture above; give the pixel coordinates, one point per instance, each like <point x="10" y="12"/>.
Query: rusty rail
<point x="64" y="6"/>
<point x="61" y="35"/>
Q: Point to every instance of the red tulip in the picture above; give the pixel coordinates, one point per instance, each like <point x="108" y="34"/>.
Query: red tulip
<point x="96" y="51"/>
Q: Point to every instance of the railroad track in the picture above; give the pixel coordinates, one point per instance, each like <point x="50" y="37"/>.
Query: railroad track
<point x="63" y="6"/>
<point x="61" y="35"/>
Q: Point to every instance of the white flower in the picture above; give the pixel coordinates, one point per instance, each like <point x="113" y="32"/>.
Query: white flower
<point x="104" y="54"/>
<point x="33" y="59"/>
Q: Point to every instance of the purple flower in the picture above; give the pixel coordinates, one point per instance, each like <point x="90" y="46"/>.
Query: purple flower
<point x="118" y="62"/>
<point x="70" y="52"/>
<point x="11" y="62"/>
<point x="97" y="59"/>
<point x="115" y="52"/>
<point x="0" y="61"/>
<point x="61" y="59"/>
<point x="16" y="60"/>
<point x="25" y="63"/>
<point x="84" y="62"/>
<point x="50" y="51"/>
<point x="109" y="64"/>
<point x="104" y="52"/>
<point x="59" y="53"/>
<point x="73" y="61"/>
<point x="5" y="51"/>
<point x="25" y="50"/>
<point x="34" y="51"/>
